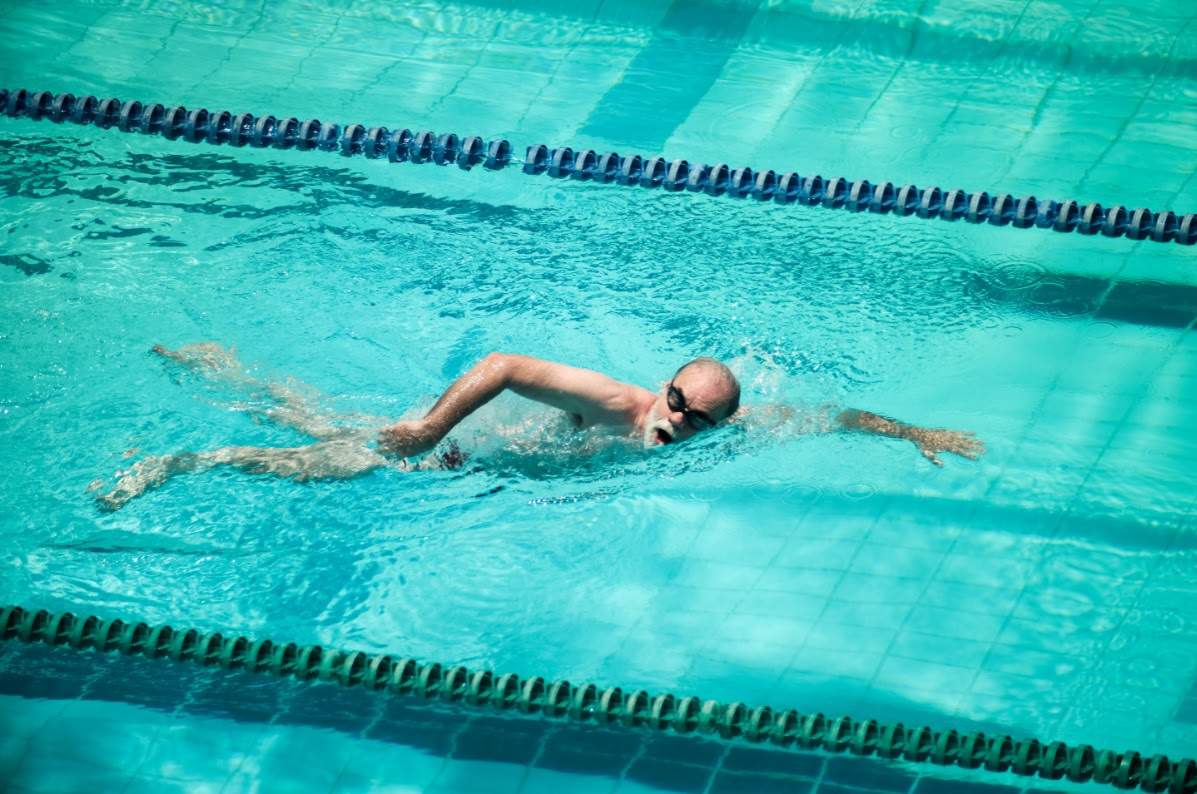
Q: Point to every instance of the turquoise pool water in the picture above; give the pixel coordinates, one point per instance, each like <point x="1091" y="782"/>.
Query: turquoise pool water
<point x="1045" y="590"/>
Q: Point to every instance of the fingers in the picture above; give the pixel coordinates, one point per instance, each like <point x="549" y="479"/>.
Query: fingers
<point x="965" y="448"/>
<point x="965" y="444"/>
<point x="930" y="455"/>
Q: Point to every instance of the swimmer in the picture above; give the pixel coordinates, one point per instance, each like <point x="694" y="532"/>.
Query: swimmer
<point x="700" y="396"/>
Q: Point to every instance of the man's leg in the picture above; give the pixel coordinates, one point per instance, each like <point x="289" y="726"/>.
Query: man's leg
<point x="146" y="475"/>
<point x="341" y="459"/>
<point x="293" y="402"/>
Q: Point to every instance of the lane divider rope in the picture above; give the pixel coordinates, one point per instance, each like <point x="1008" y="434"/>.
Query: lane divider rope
<point x="612" y="706"/>
<point x="403" y="145"/>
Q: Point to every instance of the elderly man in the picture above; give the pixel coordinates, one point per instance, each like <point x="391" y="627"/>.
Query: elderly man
<point x="701" y="395"/>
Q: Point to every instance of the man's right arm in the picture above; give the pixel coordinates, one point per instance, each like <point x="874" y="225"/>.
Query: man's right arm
<point x="588" y="396"/>
<point x="929" y="440"/>
<point x="827" y="418"/>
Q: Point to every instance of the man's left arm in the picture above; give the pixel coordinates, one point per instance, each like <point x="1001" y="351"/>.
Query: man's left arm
<point x="589" y="396"/>
<point x="929" y="440"/>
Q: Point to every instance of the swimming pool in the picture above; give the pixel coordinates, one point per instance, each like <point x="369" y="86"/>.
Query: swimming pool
<point x="1045" y="590"/>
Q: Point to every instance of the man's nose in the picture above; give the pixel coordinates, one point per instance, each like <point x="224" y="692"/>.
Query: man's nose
<point x="676" y="418"/>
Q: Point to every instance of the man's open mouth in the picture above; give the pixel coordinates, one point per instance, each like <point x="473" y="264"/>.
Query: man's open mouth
<point x="662" y="437"/>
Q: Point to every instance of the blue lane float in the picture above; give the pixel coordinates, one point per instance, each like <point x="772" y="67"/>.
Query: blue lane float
<point x="632" y="170"/>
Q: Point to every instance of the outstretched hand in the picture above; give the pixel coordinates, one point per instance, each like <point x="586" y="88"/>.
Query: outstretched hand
<point x="932" y="441"/>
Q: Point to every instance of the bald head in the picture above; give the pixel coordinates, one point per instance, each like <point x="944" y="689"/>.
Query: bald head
<point x="722" y="375"/>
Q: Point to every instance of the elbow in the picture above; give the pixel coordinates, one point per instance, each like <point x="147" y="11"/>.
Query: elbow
<point x="500" y="364"/>
<point x="496" y="362"/>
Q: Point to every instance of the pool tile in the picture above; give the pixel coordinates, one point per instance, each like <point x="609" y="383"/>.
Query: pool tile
<point x="143" y="784"/>
<point x="847" y="637"/>
<point x="930" y="785"/>
<point x="381" y="765"/>
<point x="823" y="691"/>
<point x="109" y="736"/>
<point x="1002" y="689"/>
<point x="868" y="774"/>
<point x="711" y="575"/>
<point x="841" y="520"/>
<point x="547" y="781"/>
<point x="749" y="783"/>
<point x="790" y="763"/>
<point x="53" y="773"/>
<point x="284" y="755"/>
<point x="1176" y="739"/>
<point x="935" y="531"/>
<point x="669" y="775"/>
<point x="690" y="628"/>
<point x="691" y="750"/>
<point x="857" y="664"/>
<point x="407" y="725"/>
<point x="885" y="706"/>
<point x="1033" y="663"/>
<point x="951" y="651"/>
<point x="1057" y="638"/>
<point x="238" y="698"/>
<point x="588" y="750"/>
<point x="807" y="579"/>
<point x="967" y="599"/>
<point x="211" y="755"/>
<point x="866" y="615"/>
<point x="870" y="588"/>
<point x="22" y="718"/>
<point x="799" y="607"/>
<point x="141" y="682"/>
<point x="329" y="706"/>
<point x="735" y="546"/>
<point x="676" y="598"/>
<point x="1150" y="705"/>
<point x="464" y="776"/>
<point x="724" y="679"/>
<point x="901" y="675"/>
<point x="509" y="741"/>
<point x="897" y="562"/>
<point x="806" y="553"/>
<point x="39" y="686"/>
<point x="984" y="572"/>
<point x="955" y="623"/>
<point x="1110" y="727"/>
<point x="13" y="747"/>
<point x="662" y="655"/>
<point x="766" y="633"/>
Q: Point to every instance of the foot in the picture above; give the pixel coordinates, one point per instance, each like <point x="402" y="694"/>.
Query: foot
<point x="200" y="354"/>
<point x="146" y="475"/>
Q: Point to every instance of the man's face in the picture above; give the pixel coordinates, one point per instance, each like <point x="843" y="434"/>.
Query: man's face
<point x="695" y="400"/>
